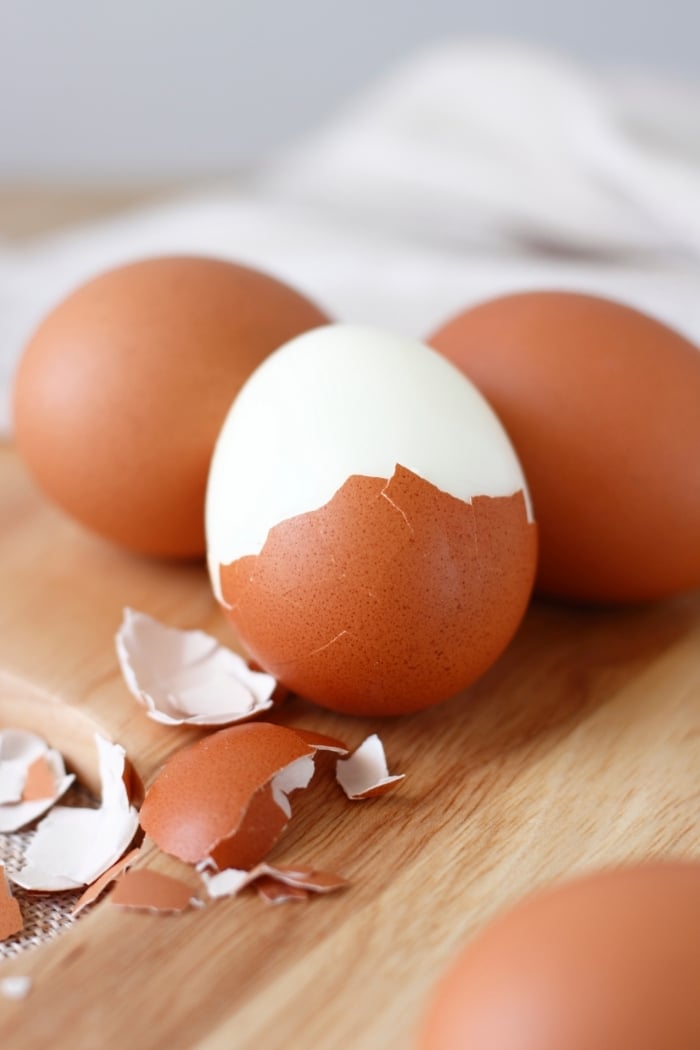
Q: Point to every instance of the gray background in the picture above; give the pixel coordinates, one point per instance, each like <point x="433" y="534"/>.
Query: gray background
<point x="188" y="88"/>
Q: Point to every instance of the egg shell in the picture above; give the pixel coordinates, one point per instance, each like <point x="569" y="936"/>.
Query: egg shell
<point x="214" y="798"/>
<point x="151" y="891"/>
<point x="602" y="404"/>
<point x="274" y="892"/>
<point x="121" y="391"/>
<point x="386" y="553"/>
<point x="41" y="781"/>
<point x="73" y="845"/>
<point x="10" y="915"/>
<point x="361" y="612"/>
<point x="604" y="962"/>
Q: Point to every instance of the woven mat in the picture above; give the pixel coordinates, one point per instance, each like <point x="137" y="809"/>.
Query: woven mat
<point x="45" y="914"/>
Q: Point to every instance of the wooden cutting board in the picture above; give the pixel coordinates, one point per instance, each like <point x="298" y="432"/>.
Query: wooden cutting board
<point x="580" y="748"/>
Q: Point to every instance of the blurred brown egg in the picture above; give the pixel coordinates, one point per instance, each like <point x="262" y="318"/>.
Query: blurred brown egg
<point x="121" y="392"/>
<point x="607" y="962"/>
<point x="602" y="404"/>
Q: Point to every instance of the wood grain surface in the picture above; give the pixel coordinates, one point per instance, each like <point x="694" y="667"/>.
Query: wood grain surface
<point x="580" y="748"/>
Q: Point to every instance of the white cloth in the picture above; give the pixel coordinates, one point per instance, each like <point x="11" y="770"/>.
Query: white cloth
<point x="476" y="169"/>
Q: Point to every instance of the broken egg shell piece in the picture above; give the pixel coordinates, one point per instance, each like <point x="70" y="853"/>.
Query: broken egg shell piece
<point x="321" y="742"/>
<point x="148" y="890"/>
<point x="311" y="879"/>
<point x="18" y="750"/>
<point x="133" y="784"/>
<point x="74" y="846"/>
<point x="274" y="892"/>
<point x="226" y="795"/>
<point x="97" y="888"/>
<point x="227" y="883"/>
<point x="12" y="780"/>
<point x="10" y="914"/>
<point x="188" y="677"/>
<point x="365" y="773"/>
<point x="114" y="780"/>
<point x="265" y="818"/>
<point x="304" y="878"/>
<point x="231" y="881"/>
<point x="39" y="773"/>
<point x="41" y="782"/>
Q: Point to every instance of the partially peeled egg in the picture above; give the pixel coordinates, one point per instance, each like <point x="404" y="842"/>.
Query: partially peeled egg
<point x="369" y="530"/>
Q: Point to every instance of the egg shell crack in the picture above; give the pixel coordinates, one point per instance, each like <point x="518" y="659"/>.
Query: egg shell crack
<point x="392" y="596"/>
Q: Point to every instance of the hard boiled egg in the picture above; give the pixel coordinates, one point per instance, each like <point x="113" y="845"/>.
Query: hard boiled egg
<point x="368" y="525"/>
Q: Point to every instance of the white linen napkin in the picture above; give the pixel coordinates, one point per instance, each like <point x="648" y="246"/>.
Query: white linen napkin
<point x="475" y="169"/>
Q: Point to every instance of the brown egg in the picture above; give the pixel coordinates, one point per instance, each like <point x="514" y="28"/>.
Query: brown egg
<point x="219" y="797"/>
<point x="608" y="962"/>
<point x="387" y="552"/>
<point x="122" y="390"/>
<point x="602" y="404"/>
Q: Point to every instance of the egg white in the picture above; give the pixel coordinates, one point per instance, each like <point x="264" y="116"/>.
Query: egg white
<point x="342" y="400"/>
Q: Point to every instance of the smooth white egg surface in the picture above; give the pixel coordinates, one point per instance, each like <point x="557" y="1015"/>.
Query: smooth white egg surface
<point x="343" y="400"/>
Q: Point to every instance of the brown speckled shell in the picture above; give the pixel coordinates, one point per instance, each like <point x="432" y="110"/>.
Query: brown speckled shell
<point x="391" y="597"/>
<point x="10" y="914"/>
<point x="602" y="404"/>
<point x="214" y="798"/>
<point x="122" y="390"/>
